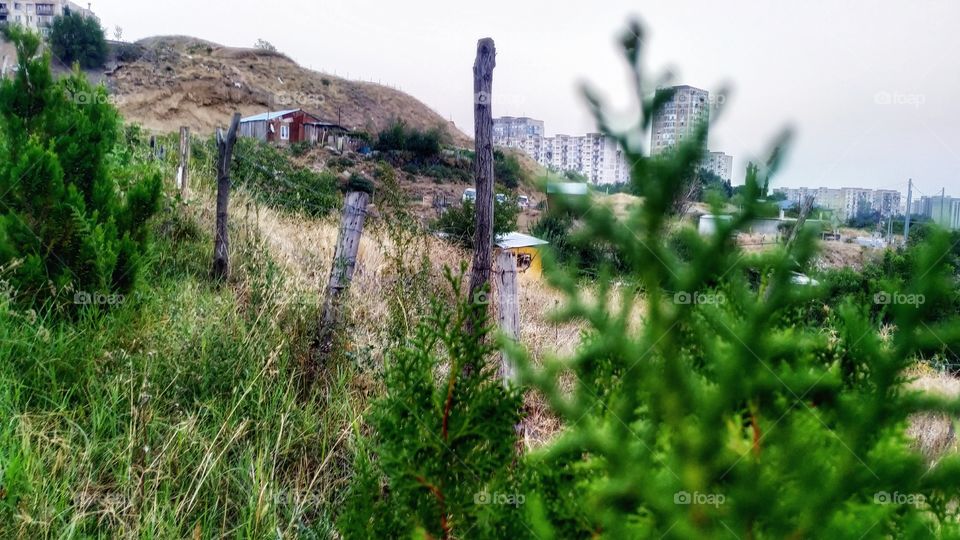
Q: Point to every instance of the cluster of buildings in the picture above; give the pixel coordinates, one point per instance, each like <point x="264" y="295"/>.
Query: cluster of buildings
<point x="38" y="16"/>
<point x="599" y="157"/>
<point x="594" y="155"/>
<point x="847" y="203"/>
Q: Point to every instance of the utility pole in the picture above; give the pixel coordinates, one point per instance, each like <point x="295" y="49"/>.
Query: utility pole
<point x="906" y="225"/>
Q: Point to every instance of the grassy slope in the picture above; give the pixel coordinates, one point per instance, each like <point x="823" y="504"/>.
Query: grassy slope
<point x="182" y="412"/>
<point x="179" y="413"/>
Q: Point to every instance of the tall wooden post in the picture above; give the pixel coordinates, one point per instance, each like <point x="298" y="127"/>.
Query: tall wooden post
<point x="221" y="243"/>
<point x="508" y="314"/>
<point x="483" y="168"/>
<point x="183" y="171"/>
<point x="344" y="261"/>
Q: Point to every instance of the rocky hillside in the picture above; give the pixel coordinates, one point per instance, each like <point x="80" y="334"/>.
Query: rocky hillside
<point x="170" y="81"/>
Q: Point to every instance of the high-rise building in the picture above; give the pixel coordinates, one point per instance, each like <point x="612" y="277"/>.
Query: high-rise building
<point x="887" y="202"/>
<point x="686" y="110"/>
<point x="38" y="16"/>
<point x="719" y="164"/>
<point x="856" y="201"/>
<point x="507" y="128"/>
<point x="594" y="155"/>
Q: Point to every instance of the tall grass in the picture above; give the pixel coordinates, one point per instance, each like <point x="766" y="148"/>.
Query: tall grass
<point x="179" y="412"/>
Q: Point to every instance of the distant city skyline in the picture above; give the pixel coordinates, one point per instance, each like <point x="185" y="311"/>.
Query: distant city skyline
<point x="868" y="108"/>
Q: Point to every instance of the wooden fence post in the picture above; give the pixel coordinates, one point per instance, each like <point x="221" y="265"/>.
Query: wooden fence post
<point x="345" y="256"/>
<point x="483" y="169"/>
<point x="183" y="172"/>
<point x="221" y="243"/>
<point x="508" y="314"/>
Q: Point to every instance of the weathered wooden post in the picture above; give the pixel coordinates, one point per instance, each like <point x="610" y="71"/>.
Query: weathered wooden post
<point x="344" y="257"/>
<point x="483" y="169"/>
<point x="183" y="171"/>
<point x="508" y="316"/>
<point x="221" y="243"/>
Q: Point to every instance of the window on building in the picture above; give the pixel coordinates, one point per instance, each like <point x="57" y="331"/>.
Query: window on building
<point x="285" y="132"/>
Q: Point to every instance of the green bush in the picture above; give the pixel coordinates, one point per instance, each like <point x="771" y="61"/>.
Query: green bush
<point x="73" y="217"/>
<point x="269" y="175"/>
<point x="697" y="404"/>
<point x="129" y="52"/>
<point x="459" y="223"/>
<point x="573" y="248"/>
<point x="299" y="149"/>
<point x="421" y="145"/>
<point x="443" y="446"/>
<point x="75" y="38"/>
<point x="506" y="169"/>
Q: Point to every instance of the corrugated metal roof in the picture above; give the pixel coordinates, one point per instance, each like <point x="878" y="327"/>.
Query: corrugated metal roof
<point x="567" y="188"/>
<point x="267" y="116"/>
<point x="515" y="240"/>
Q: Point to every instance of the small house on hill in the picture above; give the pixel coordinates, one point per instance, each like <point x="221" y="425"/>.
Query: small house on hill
<point x="526" y="248"/>
<point x="295" y="126"/>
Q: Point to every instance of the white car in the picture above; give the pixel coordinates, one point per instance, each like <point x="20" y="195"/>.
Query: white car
<point x="469" y="194"/>
<point x="523" y="201"/>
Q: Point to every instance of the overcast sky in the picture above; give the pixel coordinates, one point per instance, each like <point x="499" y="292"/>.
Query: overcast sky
<point x="872" y="88"/>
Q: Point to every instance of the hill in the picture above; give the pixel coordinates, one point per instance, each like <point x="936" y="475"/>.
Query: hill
<point x="168" y="81"/>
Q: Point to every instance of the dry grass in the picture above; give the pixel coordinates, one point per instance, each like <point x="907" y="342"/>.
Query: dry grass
<point x="934" y="433"/>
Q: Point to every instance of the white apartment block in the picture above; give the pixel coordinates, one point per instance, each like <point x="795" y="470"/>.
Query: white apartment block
<point x="848" y="202"/>
<point x="887" y="202"/>
<point x="856" y="201"/>
<point x="593" y="155"/>
<point x="687" y="109"/>
<point x="719" y="164"/>
<point x="38" y="16"/>
<point x="512" y="128"/>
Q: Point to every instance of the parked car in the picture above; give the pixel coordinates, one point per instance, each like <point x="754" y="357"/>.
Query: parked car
<point x="523" y="201"/>
<point x="501" y="197"/>
<point x="469" y="194"/>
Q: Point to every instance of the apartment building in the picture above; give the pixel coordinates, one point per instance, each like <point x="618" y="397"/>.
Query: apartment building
<point x="720" y="164"/>
<point x="38" y="16"/>
<point x="593" y="155"/>
<point x="848" y="202"/>
<point x="944" y="211"/>
<point x="887" y="202"/>
<point x="686" y="110"/>
<point x="508" y="128"/>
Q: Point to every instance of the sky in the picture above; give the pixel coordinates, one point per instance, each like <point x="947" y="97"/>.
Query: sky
<point x="870" y="89"/>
